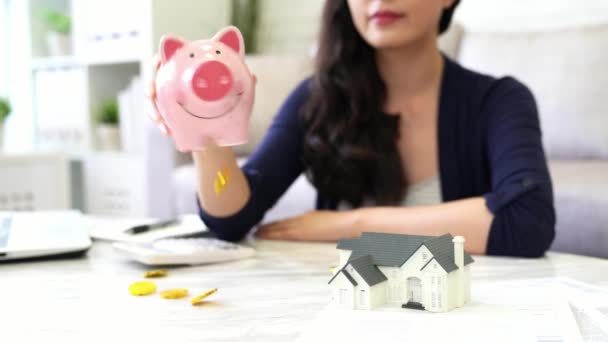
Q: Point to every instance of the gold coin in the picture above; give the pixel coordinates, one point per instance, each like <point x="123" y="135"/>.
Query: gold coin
<point x="198" y="299"/>
<point x="156" y="273"/>
<point x="174" y="293"/>
<point x="142" y="288"/>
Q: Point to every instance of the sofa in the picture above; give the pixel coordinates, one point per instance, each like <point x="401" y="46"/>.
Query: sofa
<point x="563" y="66"/>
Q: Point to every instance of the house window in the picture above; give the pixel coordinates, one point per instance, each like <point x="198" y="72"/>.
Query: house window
<point x="439" y="292"/>
<point x="362" y="298"/>
<point x="342" y="296"/>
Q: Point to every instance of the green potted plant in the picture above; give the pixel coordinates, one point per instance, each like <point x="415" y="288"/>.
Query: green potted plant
<point x="58" y="35"/>
<point x="5" y="111"/>
<point x="108" y="133"/>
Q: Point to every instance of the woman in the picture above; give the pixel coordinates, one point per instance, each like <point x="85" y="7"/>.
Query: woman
<point x="398" y="138"/>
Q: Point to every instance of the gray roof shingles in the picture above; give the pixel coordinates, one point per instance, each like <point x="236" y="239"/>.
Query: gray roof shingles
<point x="442" y="249"/>
<point x="348" y="244"/>
<point x="367" y="270"/>
<point x="395" y="249"/>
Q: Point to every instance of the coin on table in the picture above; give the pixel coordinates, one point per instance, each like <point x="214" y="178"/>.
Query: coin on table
<point x="198" y="299"/>
<point x="156" y="273"/>
<point x="142" y="288"/>
<point x="174" y="293"/>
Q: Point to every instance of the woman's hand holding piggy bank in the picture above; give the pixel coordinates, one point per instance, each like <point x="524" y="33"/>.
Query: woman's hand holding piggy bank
<point x="204" y="92"/>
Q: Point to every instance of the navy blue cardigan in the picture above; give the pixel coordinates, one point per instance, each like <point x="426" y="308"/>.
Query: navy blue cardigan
<point x="489" y="145"/>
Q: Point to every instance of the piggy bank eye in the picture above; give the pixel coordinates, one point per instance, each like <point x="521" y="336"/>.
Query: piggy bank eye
<point x="217" y="52"/>
<point x="191" y="55"/>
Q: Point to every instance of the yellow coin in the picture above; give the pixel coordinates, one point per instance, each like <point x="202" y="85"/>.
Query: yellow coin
<point x="155" y="273"/>
<point x="142" y="288"/>
<point x="198" y="299"/>
<point x="174" y="293"/>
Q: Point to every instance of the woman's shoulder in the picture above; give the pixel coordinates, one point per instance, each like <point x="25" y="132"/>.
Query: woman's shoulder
<point x="485" y="93"/>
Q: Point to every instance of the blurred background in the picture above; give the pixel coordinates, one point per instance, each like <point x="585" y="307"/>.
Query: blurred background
<point x="74" y="131"/>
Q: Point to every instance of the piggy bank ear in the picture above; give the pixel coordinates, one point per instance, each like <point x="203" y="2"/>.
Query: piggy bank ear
<point x="232" y="37"/>
<point x="169" y="45"/>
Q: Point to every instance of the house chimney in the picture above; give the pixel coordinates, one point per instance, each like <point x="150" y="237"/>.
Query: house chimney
<point x="459" y="261"/>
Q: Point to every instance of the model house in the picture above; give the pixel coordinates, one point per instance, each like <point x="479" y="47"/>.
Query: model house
<point x="410" y="271"/>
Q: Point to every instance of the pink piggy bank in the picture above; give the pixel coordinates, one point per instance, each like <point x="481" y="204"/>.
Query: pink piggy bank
<point x="204" y="90"/>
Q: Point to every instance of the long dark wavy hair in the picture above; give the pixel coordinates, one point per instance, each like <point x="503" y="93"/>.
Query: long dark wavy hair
<point x="350" y="146"/>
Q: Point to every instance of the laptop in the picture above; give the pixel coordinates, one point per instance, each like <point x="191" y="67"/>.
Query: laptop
<point x="42" y="233"/>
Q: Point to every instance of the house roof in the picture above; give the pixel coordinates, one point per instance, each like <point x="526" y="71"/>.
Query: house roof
<point x="442" y="249"/>
<point x="346" y="274"/>
<point x="395" y="249"/>
<point x="367" y="270"/>
<point x="348" y="244"/>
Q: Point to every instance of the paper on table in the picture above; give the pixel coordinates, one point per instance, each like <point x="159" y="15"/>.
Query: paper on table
<point x="500" y="311"/>
<point x="113" y="229"/>
<point x="592" y="323"/>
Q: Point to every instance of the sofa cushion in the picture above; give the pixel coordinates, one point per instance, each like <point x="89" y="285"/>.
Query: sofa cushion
<point x="581" y="203"/>
<point x="564" y="67"/>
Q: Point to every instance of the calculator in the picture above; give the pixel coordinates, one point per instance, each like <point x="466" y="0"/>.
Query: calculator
<point x="184" y="251"/>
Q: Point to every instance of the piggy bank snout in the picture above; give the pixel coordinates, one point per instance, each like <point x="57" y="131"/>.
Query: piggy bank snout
<point x="211" y="81"/>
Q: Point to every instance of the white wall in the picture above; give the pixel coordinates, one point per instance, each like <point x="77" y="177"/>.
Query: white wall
<point x="530" y="14"/>
<point x="3" y="42"/>
<point x="19" y="130"/>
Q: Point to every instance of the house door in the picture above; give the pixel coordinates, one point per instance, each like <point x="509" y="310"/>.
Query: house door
<point x="414" y="289"/>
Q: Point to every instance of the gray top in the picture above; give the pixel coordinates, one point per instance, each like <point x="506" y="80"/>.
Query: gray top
<point x="427" y="192"/>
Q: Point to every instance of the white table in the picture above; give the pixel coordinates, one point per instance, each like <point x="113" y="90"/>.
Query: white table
<point x="267" y="298"/>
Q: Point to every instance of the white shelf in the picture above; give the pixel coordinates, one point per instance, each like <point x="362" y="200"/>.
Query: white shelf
<point x="112" y="61"/>
<point x="58" y="62"/>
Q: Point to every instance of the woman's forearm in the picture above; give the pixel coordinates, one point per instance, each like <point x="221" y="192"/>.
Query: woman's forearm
<point x="222" y="187"/>
<point x="469" y="218"/>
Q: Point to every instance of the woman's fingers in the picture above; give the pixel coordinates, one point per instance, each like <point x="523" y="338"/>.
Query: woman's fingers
<point x="164" y="129"/>
<point x="152" y="109"/>
<point x="153" y="112"/>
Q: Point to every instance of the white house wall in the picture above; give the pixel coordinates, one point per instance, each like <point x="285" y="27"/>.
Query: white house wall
<point x="452" y="286"/>
<point x="435" y="289"/>
<point x="361" y="286"/>
<point x="394" y="285"/>
<point x="396" y="289"/>
<point x="378" y="295"/>
<point x="413" y="265"/>
<point x="467" y="284"/>
<point x="340" y="283"/>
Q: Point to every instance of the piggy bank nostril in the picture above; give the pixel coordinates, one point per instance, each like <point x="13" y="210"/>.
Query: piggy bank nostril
<point x="212" y="81"/>
<point x="224" y="80"/>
